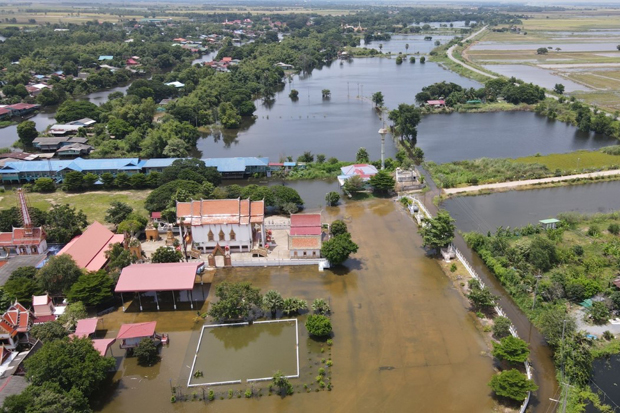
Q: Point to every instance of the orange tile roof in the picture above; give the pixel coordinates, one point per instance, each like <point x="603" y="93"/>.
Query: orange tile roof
<point x="15" y="320"/>
<point x="19" y="237"/>
<point x="301" y="243"/>
<point x="221" y="211"/>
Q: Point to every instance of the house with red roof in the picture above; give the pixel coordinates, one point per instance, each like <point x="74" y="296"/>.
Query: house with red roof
<point x="306" y="236"/>
<point x="15" y="324"/>
<point x="130" y="335"/>
<point x="364" y="171"/>
<point x="229" y="223"/>
<point x="29" y="240"/>
<point x="132" y="62"/>
<point x="88" y="250"/>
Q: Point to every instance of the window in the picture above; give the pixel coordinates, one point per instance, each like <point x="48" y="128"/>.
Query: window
<point x="210" y="235"/>
<point x="233" y="236"/>
<point x="221" y="235"/>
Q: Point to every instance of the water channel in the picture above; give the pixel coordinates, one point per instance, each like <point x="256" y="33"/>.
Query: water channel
<point x="518" y="208"/>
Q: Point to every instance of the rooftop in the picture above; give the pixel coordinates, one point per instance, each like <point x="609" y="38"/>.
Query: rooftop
<point x="88" y="249"/>
<point x="174" y="276"/>
<point x="221" y="211"/>
<point x="136" y="330"/>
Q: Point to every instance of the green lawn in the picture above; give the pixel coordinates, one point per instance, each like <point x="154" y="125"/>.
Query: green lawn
<point x="574" y="160"/>
<point x="94" y="204"/>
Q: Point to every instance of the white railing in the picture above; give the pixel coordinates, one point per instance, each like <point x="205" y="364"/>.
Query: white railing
<point x="474" y="274"/>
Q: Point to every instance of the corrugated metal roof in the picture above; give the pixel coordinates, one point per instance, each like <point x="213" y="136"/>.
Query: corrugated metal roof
<point x="173" y="276"/>
<point x="85" y="248"/>
<point x="159" y="162"/>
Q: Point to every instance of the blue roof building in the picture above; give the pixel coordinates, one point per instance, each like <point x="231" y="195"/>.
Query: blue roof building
<point x="105" y="57"/>
<point x="238" y="167"/>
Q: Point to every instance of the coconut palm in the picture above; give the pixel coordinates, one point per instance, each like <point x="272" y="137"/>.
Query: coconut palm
<point x="320" y="306"/>
<point x="294" y="305"/>
<point x="272" y="301"/>
<point x="406" y="46"/>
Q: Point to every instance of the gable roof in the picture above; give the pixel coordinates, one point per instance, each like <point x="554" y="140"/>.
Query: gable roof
<point x="15" y="320"/>
<point x="305" y="224"/>
<point x="171" y="276"/>
<point x="136" y="330"/>
<point x="86" y="327"/>
<point x="88" y="249"/>
<point x="221" y="211"/>
<point x="361" y="169"/>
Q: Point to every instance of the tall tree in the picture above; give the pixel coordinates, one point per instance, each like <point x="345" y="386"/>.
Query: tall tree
<point x="272" y="301"/>
<point x="377" y="99"/>
<point x="166" y="254"/>
<point x="511" y="349"/>
<point x="27" y="132"/>
<point x="235" y="301"/>
<point x="512" y="384"/>
<point x="117" y="212"/>
<point x="382" y="181"/>
<point x="406" y="119"/>
<point x="59" y="274"/>
<point x="438" y="232"/>
<point x="338" y="248"/>
<point x="64" y="222"/>
<point x="92" y="288"/>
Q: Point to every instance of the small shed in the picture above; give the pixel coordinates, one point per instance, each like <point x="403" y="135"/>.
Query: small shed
<point x="130" y="335"/>
<point x="549" y="223"/>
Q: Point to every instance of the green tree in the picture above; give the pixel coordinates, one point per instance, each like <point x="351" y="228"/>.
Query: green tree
<point x="92" y="288"/>
<point x="166" y="254"/>
<point x="73" y="312"/>
<point x="354" y="184"/>
<point x="422" y="59"/>
<point x="599" y="312"/>
<point x="28" y="272"/>
<point x="512" y="384"/>
<point x="49" y="331"/>
<point x="399" y="60"/>
<point x="480" y="297"/>
<point x="59" y="274"/>
<point x="47" y="398"/>
<point x="71" y="110"/>
<point x="147" y="353"/>
<point x="559" y="88"/>
<point x="542" y="50"/>
<point x="122" y="180"/>
<point x="22" y="289"/>
<point x="377" y="99"/>
<point x="73" y="181"/>
<point x="294" y="95"/>
<point x="63" y="223"/>
<point x="319" y="325"/>
<point x="501" y="326"/>
<point x="554" y="322"/>
<point x="326" y="93"/>
<point x="511" y="349"/>
<point x="236" y="301"/>
<point x="338" y="227"/>
<point x="362" y="156"/>
<point x="320" y="306"/>
<point x="72" y="364"/>
<point x="438" y="232"/>
<point x="117" y="212"/>
<point x="164" y="196"/>
<point x="229" y="117"/>
<point x="272" y="301"/>
<point x="575" y="354"/>
<point x="293" y="305"/>
<point x="332" y="198"/>
<point x="281" y="382"/>
<point x="412" y="59"/>
<point x="27" y="132"/>
<point x="108" y="180"/>
<point x="45" y="185"/>
<point x="119" y="128"/>
<point x="382" y="181"/>
<point x="406" y="119"/>
<point x="118" y="258"/>
<point x="338" y="248"/>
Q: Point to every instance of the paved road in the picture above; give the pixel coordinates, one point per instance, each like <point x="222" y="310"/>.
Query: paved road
<point x="514" y="184"/>
<point x="466" y="66"/>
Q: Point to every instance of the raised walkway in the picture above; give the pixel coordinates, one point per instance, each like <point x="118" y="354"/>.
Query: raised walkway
<point x="515" y="184"/>
<point x="466" y="66"/>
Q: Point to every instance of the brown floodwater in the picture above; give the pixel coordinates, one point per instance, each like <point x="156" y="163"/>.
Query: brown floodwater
<point x="403" y="338"/>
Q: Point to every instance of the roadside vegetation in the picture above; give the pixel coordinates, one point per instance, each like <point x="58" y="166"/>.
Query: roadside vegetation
<point x="549" y="273"/>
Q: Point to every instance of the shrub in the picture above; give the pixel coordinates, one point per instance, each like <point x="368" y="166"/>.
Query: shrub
<point x="44" y="185"/>
<point x="511" y="349"/>
<point x="512" y="384"/>
<point x="338" y="227"/>
<point x="614" y="228"/>
<point x="501" y="327"/>
<point x="320" y="306"/>
<point x="146" y="351"/>
<point x="453" y="267"/>
<point x="319" y="325"/>
<point x="594" y="230"/>
<point x="608" y="335"/>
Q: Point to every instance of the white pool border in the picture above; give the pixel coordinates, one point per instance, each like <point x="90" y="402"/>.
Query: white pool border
<point x="217" y="383"/>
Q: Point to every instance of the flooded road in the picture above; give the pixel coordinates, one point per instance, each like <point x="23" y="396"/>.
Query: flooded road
<point x="484" y="213"/>
<point x="403" y="339"/>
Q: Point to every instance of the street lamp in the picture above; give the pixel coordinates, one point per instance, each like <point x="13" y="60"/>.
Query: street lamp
<point x="382" y="132"/>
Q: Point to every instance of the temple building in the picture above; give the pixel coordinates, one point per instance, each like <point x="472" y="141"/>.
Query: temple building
<point x="15" y="324"/>
<point x="306" y="236"/>
<point x="233" y="223"/>
<point x="28" y="240"/>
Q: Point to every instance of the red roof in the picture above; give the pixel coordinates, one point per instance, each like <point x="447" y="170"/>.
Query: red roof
<point x="305" y="243"/>
<point x="88" y="249"/>
<point x="173" y="276"/>
<point x="226" y="59"/>
<point x="136" y="330"/>
<point x="221" y="211"/>
<point x="22" y="106"/>
<point x="306" y="224"/>
<point x="103" y="344"/>
<point x="155" y="215"/>
<point x="4" y="111"/>
<point x="85" y="327"/>
<point x="43" y="319"/>
<point x="436" y="102"/>
<point x="132" y="62"/>
<point x="15" y="320"/>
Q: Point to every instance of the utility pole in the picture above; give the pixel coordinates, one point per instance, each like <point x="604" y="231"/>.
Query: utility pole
<point x="382" y="132"/>
<point x="565" y="385"/>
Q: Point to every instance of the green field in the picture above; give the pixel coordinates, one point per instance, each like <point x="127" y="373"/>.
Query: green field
<point x="574" y="161"/>
<point x="94" y="204"/>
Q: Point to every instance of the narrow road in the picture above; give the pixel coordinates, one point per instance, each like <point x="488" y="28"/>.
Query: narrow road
<point x="541" y="356"/>
<point x="514" y="184"/>
<point x="466" y="66"/>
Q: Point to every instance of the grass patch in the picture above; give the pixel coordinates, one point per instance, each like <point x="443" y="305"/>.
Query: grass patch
<point x="94" y="204"/>
<point x="574" y="161"/>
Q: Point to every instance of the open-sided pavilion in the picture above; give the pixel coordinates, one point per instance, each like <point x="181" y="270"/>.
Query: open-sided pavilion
<point x="174" y="276"/>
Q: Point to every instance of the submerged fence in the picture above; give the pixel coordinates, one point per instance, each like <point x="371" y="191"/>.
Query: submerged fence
<point x="423" y="212"/>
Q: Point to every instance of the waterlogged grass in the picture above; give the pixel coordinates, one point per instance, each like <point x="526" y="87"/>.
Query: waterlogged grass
<point x="317" y="171"/>
<point x="484" y="171"/>
<point x="94" y="204"/>
<point x="574" y="161"/>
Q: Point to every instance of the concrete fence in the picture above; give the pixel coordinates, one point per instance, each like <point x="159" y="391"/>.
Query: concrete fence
<point x="422" y="210"/>
<point x="275" y="262"/>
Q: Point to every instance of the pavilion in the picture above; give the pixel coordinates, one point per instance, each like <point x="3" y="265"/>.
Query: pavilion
<point x="130" y="335"/>
<point x="173" y="276"/>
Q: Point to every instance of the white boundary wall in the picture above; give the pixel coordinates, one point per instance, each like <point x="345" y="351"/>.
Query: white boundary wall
<point x="217" y="383"/>
<point x="472" y="272"/>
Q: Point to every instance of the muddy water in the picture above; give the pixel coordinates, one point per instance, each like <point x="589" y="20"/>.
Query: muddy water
<point x="403" y="339"/>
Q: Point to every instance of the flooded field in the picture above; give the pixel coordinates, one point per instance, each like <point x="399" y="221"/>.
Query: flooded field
<point x="605" y="380"/>
<point x="566" y="47"/>
<point x="416" y="43"/>
<point x="245" y="352"/>
<point x="403" y="339"/>
<point x="518" y="208"/>
<point x="536" y="75"/>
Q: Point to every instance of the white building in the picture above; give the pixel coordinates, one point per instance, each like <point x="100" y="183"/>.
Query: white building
<point x="234" y="223"/>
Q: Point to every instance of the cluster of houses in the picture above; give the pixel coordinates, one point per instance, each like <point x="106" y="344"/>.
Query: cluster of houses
<point x="17" y="109"/>
<point x="223" y="65"/>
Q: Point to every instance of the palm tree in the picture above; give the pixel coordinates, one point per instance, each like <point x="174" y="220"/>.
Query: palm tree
<point x="320" y="306"/>
<point x="380" y="46"/>
<point x="406" y="47"/>
<point x="272" y="301"/>
<point x="293" y="305"/>
<point x="326" y="93"/>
